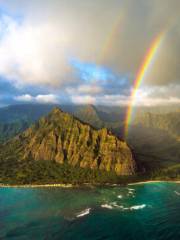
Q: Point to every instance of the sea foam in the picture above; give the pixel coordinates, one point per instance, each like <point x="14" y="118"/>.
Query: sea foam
<point x="111" y="205"/>
<point x="119" y="196"/>
<point x="83" y="213"/>
<point x="107" y="206"/>
<point x="137" y="207"/>
<point x="177" y="193"/>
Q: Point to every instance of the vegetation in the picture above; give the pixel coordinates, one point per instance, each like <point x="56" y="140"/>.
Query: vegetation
<point x="15" y="171"/>
<point x="169" y="122"/>
<point x="154" y="139"/>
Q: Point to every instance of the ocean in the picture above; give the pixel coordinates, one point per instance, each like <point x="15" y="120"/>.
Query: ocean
<point x="148" y="211"/>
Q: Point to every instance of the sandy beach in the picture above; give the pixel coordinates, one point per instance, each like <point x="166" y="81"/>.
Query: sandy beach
<point x="62" y="185"/>
<point x="152" y="181"/>
<point x="38" y="185"/>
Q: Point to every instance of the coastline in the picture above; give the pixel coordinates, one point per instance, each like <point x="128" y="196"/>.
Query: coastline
<point x="69" y="185"/>
<point x="153" y="181"/>
<point x="62" y="185"/>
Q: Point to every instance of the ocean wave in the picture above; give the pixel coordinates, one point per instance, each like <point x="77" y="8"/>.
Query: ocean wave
<point x="111" y="205"/>
<point x="107" y="206"/>
<point x="83" y="213"/>
<point x="177" y="193"/>
<point x="114" y="205"/>
<point x="137" y="207"/>
<point x="131" y="191"/>
<point x="119" y="196"/>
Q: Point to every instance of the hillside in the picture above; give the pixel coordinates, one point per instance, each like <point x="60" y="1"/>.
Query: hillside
<point x="169" y="122"/>
<point x="62" y="139"/>
<point x="15" y="119"/>
<point x="89" y="114"/>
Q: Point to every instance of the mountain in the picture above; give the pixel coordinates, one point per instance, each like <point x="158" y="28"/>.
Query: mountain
<point x="155" y="138"/>
<point x="25" y="112"/>
<point x="168" y="122"/>
<point x="9" y="130"/>
<point x="60" y="137"/>
<point x="102" y="117"/>
<point x="14" y="119"/>
<point x="89" y="114"/>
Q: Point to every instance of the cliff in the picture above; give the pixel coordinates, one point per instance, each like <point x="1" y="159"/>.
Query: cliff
<point x="62" y="138"/>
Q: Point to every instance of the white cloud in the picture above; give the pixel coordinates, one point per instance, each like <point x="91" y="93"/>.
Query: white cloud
<point x="24" y="98"/>
<point x="33" y="54"/>
<point x="36" y="50"/>
<point x="149" y="101"/>
<point x="92" y="89"/>
<point x="49" y="98"/>
<point x="85" y="99"/>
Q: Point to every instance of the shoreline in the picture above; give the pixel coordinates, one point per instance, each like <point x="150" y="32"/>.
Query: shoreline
<point x="154" y="181"/>
<point x="69" y="185"/>
<point x="62" y="185"/>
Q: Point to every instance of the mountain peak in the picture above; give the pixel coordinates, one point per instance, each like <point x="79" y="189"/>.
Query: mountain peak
<point x="62" y="138"/>
<point x="56" y="110"/>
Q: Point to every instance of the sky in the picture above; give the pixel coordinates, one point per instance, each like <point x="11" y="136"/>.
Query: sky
<point x="81" y="52"/>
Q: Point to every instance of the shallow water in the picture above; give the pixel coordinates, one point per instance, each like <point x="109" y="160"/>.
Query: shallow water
<point x="148" y="211"/>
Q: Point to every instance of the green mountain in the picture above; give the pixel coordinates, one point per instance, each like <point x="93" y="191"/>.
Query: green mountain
<point x="61" y="139"/>
<point x="153" y="136"/>
<point x="25" y="112"/>
<point x="101" y="117"/>
<point x="155" y="140"/>
<point x="15" y="119"/>
<point x="168" y="122"/>
<point x="89" y="114"/>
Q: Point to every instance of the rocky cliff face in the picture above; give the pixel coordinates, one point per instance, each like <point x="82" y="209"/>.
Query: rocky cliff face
<point x="62" y="138"/>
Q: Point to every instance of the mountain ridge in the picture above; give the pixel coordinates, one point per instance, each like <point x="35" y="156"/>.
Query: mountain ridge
<point x="64" y="138"/>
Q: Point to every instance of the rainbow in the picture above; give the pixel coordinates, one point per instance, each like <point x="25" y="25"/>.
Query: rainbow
<point x="111" y="37"/>
<point x="148" y="60"/>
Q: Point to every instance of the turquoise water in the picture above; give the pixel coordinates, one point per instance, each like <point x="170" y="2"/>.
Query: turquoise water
<point x="148" y="211"/>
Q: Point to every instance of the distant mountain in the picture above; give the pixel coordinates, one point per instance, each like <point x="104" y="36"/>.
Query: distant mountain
<point x="100" y="117"/>
<point x="155" y="139"/>
<point x="16" y="118"/>
<point x="169" y="122"/>
<point x="26" y="112"/>
<point x="89" y="114"/>
<point x="9" y="130"/>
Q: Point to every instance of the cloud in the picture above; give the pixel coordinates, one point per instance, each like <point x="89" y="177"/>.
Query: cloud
<point x="24" y="98"/>
<point x="85" y="99"/>
<point x="90" y="49"/>
<point x="98" y="79"/>
<point x="91" y="72"/>
<point x="52" y="31"/>
<point x="49" y="98"/>
<point x="92" y="89"/>
<point x="33" y="54"/>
